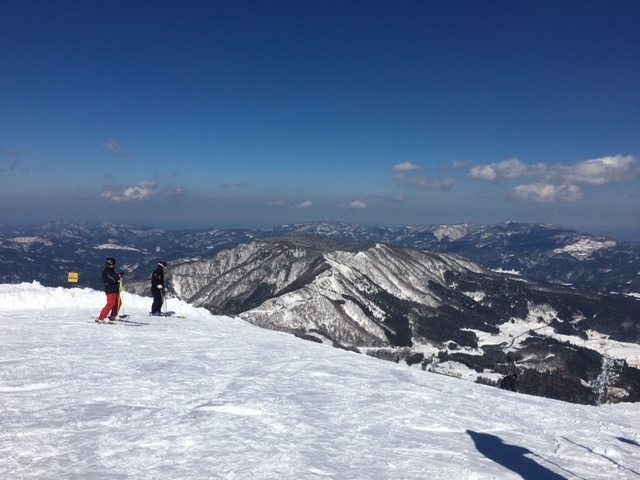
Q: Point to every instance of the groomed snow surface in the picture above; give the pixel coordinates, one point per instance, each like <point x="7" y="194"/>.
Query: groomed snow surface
<point x="213" y="397"/>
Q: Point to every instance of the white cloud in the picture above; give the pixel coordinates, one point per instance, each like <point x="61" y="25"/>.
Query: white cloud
<point x="114" y="149"/>
<point x="306" y="204"/>
<point x="461" y="164"/>
<point x="599" y="171"/>
<point x="421" y="181"/>
<point x="390" y="198"/>
<point x="405" y="167"/>
<point x="447" y="184"/>
<point x="405" y="175"/>
<point x="140" y="192"/>
<point x="508" y="169"/>
<point x="175" y="191"/>
<point x="547" y="192"/>
<point x="424" y="183"/>
<point x="354" y="204"/>
<point x="559" y="182"/>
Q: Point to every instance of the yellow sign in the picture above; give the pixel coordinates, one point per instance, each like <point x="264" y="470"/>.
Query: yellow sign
<point x="73" y="277"/>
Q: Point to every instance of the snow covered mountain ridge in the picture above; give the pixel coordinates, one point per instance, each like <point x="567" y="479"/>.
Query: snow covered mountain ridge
<point x="214" y="397"/>
<point x="434" y="310"/>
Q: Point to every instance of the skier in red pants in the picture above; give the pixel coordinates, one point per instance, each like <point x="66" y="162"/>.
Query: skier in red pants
<point x="112" y="289"/>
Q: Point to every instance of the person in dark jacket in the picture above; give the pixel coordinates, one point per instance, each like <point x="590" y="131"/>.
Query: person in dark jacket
<point x="509" y="382"/>
<point x="112" y="289"/>
<point x="157" y="288"/>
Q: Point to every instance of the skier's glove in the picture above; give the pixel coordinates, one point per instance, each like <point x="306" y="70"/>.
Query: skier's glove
<point x="160" y="287"/>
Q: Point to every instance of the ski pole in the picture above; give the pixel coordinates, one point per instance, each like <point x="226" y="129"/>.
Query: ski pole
<point x="164" y="302"/>
<point x="120" y="292"/>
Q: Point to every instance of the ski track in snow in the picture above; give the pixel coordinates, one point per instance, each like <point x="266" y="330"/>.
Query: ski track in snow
<point x="214" y="397"/>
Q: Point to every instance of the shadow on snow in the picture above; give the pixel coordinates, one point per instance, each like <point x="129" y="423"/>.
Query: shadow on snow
<point x="512" y="457"/>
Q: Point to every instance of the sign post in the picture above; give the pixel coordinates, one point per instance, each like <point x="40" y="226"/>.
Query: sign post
<point x="73" y="278"/>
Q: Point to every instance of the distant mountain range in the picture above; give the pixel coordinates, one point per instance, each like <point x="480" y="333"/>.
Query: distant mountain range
<point x="543" y="252"/>
<point x="476" y="301"/>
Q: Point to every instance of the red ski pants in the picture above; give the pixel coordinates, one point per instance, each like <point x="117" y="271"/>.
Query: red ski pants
<point x="112" y="306"/>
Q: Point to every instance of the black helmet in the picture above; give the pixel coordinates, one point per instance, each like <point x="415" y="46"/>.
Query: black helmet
<point x="110" y="261"/>
<point x="162" y="264"/>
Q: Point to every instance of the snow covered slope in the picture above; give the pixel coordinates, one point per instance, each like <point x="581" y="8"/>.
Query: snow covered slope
<point x="214" y="397"/>
<point x="424" y="308"/>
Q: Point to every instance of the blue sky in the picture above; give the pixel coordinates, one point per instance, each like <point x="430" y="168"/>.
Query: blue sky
<point x="259" y="113"/>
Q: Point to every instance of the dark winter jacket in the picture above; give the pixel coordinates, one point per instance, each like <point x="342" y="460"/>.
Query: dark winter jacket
<point x="110" y="280"/>
<point x="157" y="278"/>
<point x="509" y="382"/>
